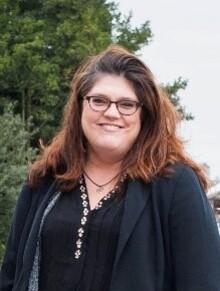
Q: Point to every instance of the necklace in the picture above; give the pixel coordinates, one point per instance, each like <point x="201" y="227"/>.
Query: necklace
<point x="100" y="187"/>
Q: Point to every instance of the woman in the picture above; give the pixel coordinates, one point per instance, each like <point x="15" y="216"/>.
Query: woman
<point x="114" y="203"/>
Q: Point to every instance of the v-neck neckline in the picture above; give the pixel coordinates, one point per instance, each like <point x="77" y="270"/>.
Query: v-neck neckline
<point x="86" y="211"/>
<point x="99" y="204"/>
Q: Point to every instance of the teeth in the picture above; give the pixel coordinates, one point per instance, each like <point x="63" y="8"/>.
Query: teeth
<point x="110" y="126"/>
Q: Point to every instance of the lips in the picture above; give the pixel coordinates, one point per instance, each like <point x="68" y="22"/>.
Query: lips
<point x="110" y="127"/>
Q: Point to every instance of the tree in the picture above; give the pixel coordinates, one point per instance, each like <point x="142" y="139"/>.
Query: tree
<point x="43" y="42"/>
<point x="14" y="157"/>
<point x="173" y="90"/>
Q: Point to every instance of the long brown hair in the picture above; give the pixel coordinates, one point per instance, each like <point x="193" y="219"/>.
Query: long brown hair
<point x="157" y="147"/>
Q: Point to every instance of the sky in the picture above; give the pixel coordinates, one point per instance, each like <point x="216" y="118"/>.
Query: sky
<point x="186" y="43"/>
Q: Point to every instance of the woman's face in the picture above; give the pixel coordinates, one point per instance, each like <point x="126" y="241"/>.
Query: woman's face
<point x="109" y="133"/>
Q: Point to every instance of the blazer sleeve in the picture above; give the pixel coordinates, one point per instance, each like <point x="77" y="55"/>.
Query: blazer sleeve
<point x="195" y="241"/>
<point x="8" y="267"/>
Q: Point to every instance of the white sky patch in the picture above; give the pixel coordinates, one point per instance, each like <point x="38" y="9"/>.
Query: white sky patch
<point x="186" y="43"/>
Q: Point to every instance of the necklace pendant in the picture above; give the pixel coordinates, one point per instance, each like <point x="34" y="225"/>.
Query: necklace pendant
<point x="100" y="189"/>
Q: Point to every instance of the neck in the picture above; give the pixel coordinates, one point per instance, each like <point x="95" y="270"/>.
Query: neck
<point x="100" y="169"/>
<point x="104" y="164"/>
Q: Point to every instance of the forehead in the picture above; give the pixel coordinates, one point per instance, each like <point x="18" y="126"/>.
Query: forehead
<point x="113" y="86"/>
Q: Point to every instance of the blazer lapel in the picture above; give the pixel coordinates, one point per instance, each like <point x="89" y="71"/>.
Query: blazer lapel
<point x="30" y="247"/>
<point x="136" y="198"/>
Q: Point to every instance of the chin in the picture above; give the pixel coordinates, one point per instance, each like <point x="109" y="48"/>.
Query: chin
<point x="111" y="149"/>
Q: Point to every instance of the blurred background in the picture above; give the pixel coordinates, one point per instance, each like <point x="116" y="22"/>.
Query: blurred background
<point x="43" y="42"/>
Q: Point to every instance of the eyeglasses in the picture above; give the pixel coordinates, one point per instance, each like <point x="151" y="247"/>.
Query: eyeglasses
<point x="124" y="106"/>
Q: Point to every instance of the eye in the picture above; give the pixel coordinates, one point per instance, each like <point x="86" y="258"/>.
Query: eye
<point x="99" y="101"/>
<point x="127" y="104"/>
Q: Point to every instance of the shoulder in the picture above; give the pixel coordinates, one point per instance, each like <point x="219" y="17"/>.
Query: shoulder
<point x="179" y="173"/>
<point x="181" y="198"/>
<point x="185" y="180"/>
<point x="28" y="193"/>
<point x="181" y="184"/>
<point x="186" y="192"/>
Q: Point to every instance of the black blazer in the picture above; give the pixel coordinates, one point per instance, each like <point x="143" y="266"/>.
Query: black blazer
<point x="168" y="239"/>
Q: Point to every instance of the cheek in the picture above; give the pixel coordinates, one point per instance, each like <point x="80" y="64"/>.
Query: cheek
<point x="137" y="130"/>
<point x="132" y="132"/>
<point x="86" y="117"/>
<point x="88" y="122"/>
<point x="85" y="121"/>
<point x="137" y="127"/>
<point x="136" y="124"/>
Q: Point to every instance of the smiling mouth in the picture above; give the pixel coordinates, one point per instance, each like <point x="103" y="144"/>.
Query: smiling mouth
<point x="110" y="126"/>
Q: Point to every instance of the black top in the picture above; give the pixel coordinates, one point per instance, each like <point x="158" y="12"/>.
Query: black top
<point x="168" y="236"/>
<point x="91" y="271"/>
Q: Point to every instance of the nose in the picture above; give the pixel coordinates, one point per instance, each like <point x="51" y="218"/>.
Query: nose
<point x="112" y="111"/>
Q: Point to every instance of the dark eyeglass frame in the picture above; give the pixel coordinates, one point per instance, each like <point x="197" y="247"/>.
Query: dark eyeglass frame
<point x="137" y="104"/>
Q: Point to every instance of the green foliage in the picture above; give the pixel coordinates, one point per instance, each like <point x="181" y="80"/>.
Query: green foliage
<point x="14" y="157"/>
<point x="43" y="42"/>
<point x="132" y="38"/>
<point x="173" y="90"/>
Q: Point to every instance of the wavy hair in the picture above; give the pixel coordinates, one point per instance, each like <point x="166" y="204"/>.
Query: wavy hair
<point x="157" y="146"/>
